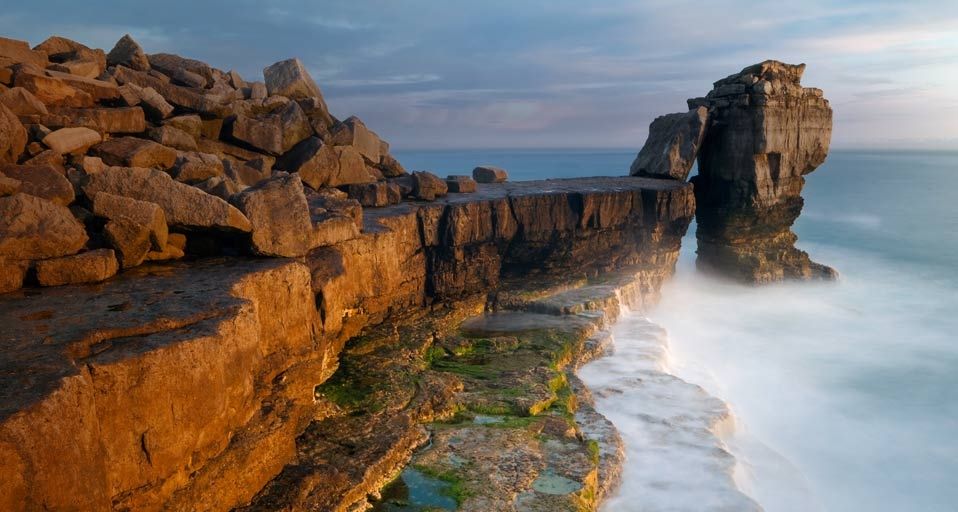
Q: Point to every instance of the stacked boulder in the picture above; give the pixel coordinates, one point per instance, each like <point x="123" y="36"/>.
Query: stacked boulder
<point x="112" y="159"/>
<point x="756" y="135"/>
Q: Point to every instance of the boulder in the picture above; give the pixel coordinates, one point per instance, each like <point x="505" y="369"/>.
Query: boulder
<point x="48" y="157"/>
<point x="130" y="239"/>
<point x="73" y="54"/>
<point x="353" y="132"/>
<point x="135" y="152"/>
<point x="289" y="78"/>
<point x="672" y="145"/>
<point x="22" y="102"/>
<point x="182" y="204"/>
<point x="390" y="167"/>
<point x="257" y="91"/>
<point x="99" y="90"/>
<point x="191" y="124"/>
<point x="13" y="136"/>
<point x="194" y="167"/>
<point x="323" y="165"/>
<point x="81" y="68"/>
<point x="42" y="181"/>
<point x="12" y="274"/>
<point x="461" y="184"/>
<point x="172" y="137"/>
<point x="427" y="186"/>
<point x="148" y="99"/>
<point x="49" y="90"/>
<point x="279" y="214"/>
<point x="19" y="51"/>
<point x="86" y="267"/>
<point x="170" y="64"/>
<point x="376" y="194"/>
<point x="32" y="228"/>
<point x="72" y="140"/>
<point x="247" y="173"/>
<point x="127" y="52"/>
<point x="275" y="133"/>
<point x="8" y="186"/>
<point x="114" y="207"/>
<point x="104" y="120"/>
<point x="184" y="97"/>
<point x="222" y="187"/>
<point x="188" y="78"/>
<point x="489" y="174"/>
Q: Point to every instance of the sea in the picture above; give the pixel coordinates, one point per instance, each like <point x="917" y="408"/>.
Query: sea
<point x="813" y="396"/>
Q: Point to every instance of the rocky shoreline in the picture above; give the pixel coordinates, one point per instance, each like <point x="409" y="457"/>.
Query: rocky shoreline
<point x="218" y="296"/>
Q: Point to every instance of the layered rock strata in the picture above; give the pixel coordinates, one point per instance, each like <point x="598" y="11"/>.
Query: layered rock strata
<point x="191" y="385"/>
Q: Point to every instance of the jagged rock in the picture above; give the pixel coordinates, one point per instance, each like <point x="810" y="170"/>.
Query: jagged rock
<point x="461" y="184"/>
<point x="235" y="80"/>
<point x="170" y="252"/>
<point x="92" y="164"/>
<point x="13" y="136"/>
<point x="376" y="194"/>
<point x="47" y="157"/>
<point x="22" y="102"/>
<point x="86" y="267"/>
<point x="172" y="137"/>
<point x="276" y="133"/>
<point x="191" y="124"/>
<point x="323" y="165"/>
<point x="72" y="140"/>
<point x="104" y="120"/>
<point x="32" y="228"/>
<point x="183" y="97"/>
<point x="49" y="90"/>
<point x="12" y="274"/>
<point x="8" y="186"/>
<point x="247" y="173"/>
<point x="353" y="132"/>
<point x="135" y="152"/>
<point x="127" y="52"/>
<point x="82" y="68"/>
<point x="390" y="167"/>
<point x="130" y="239"/>
<point x="257" y="91"/>
<point x="19" y="51"/>
<point x="289" y="78"/>
<point x="194" y="167"/>
<point x="41" y="181"/>
<point x="489" y="174"/>
<point x="765" y="133"/>
<point x="114" y="207"/>
<point x="76" y="57"/>
<point x="170" y="64"/>
<point x="334" y="202"/>
<point x="99" y="90"/>
<point x="278" y="211"/>
<point x="427" y="186"/>
<point x="146" y="97"/>
<point x="672" y="145"/>
<point x="182" y="204"/>
<point x="222" y="187"/>
<point x="188" y="78"/>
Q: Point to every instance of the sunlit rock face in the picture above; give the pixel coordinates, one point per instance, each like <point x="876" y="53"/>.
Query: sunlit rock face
<point x="766" y="132"/>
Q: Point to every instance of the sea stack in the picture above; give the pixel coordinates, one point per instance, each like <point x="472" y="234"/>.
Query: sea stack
<point x="765" y="133"/>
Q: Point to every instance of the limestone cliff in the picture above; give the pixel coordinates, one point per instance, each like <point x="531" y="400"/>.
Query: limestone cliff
<point x="766" y="132"/>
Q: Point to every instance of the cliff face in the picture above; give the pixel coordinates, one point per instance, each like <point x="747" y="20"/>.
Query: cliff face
<point x="185" y="386"/>
<point x="766" y="132"/>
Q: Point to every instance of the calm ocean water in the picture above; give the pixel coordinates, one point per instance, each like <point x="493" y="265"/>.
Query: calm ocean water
<point x="842" y="394"/>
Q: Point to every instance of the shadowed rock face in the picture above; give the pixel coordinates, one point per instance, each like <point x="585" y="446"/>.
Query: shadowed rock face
<point x="766" y="133"/>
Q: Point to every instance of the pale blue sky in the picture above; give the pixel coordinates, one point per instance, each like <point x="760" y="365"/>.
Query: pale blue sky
<point x="552" y="73"/>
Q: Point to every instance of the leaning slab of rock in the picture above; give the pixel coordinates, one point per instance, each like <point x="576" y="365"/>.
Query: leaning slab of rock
<point x="324" y="165"/>
<point x="461" y="184"/>
<point x="128" y="52"/>
<point x="49" y="90"/>
<point x="42" y="181"/>
<point x="427" y="186"/>
<point x="672" y="145"/>
<point x="182" y="204"/>
<point x="86" y="267"/>
<point x="22" y="102"/>
<point x="172" y="137"/>
<point x="32" y="228"/>
<point x="135" y="152"/>
<point x="72" y="140"/>
<point x="19" y="51"/>
<point x="13" y="136"/>
<point x="130" y="239"/>
<point x="353" y="132"/>
<point x="278" y="211"/>
<point x="489" y="174"/>
<point x="149" y="214"/>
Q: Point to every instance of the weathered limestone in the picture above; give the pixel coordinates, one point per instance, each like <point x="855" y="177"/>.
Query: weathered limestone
<point x="461" y="184"/>
<point x="32" y="228"/>
<point x="489" y="174"/>
<point x="86" y="267"/>
<point x="324" y="165"/>
<point x="127" y="52"/>
<point x="19" y="51"/>
<point x="289" y="78"/>
<point x="13" y="136"/>
<point x="766" y="133"/>
<point x="72" y="140"/>
<point x="182" y="204"/>
<point x="49" y="90"/>
<point x="427" y="186"/>
<point x="194" y="167"/>
<point x="103" y="120"/>
<point x="130" y="238"/>
<point x="353" y="132"/>
<point x="135" y="152"/>
<point x="22" y="102"/>
<point x="43" y="181"/>
<point x="672" y="145"/>
<point x="172" y="137"/>
<point x="279" y="214"/>
<point x="12" y="274"/>
<point x="148" y="214"/>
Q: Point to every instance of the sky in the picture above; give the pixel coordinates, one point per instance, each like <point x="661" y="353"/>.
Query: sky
<point x="552" y="73"/>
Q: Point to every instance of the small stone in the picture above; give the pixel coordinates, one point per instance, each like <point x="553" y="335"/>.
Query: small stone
<point x="86" y="267"/>
<point x="461" y="184"/>
<point x="72" y="140"/>
<point x="489" y="174"/>
<point x="43" y="181"/>
<point x="127" y="52"/>
<point x="135" y="152"/>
